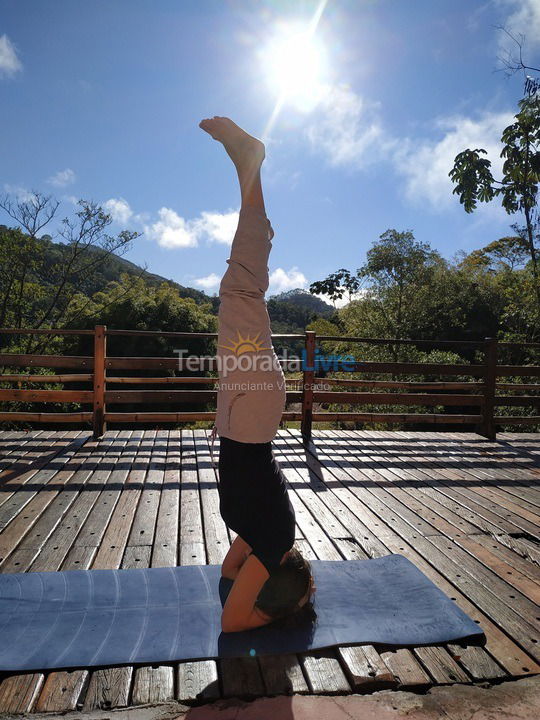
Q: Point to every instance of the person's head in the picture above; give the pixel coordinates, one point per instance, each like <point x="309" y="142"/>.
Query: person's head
<point x="286" y="595"/>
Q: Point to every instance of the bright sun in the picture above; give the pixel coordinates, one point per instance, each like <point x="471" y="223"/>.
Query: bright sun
<point x="294" y="62"/>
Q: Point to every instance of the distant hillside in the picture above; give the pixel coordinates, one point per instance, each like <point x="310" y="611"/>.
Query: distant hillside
<point x="304" y="299"/>
<point x="289" y="312"/>
<point x="115" y="265"/>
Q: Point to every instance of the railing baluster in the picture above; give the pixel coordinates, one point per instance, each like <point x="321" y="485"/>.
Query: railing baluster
<point x="100" y="351"/>
<point x="490" y="378"/>
<point x="308" y="380"/>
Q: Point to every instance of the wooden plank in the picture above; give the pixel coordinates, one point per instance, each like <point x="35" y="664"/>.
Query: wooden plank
<point x="406" y="669"/>
<point x="142" y="529"/>
<point x="498" y="644"/>
<point x="165" y="547"/>
<point x="197" y="681"/>
<point x="441" y="665"/>
<point x="485" y="480"/>
<point x="478" y="663"/>
<point x="161" y="417"/>
<point x="365" y="669"/>
<point x="405" y="368"/>
<point x="524" y="566"/>
<point x="61" y="691"/>
<point x="324" y="673"/>
<point x="110" y="477"/>
<point x="527" y="549"/>
<point x="115" y="397"/>
<point x="18" y="693"/>
<point x="153" y="684"/>
<point x="71" y="361"/>
<point x="380" y="398"/>
<point x="282" y="675"/>
<point x="512" y="576"/>
<point x="61" y="378"/>
<point x="399" y="418"/>
<point x="241" y="677"/>
<point x="215" y="531"/>
<point x="505" y="571"/>
<point x="44" y="417"/>
<point x="108" y="688"/>
<point x="63" y="396"/>
<point x="497" y="466"/>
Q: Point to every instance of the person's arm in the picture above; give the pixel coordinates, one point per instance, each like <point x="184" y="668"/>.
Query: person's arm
<point x="239" y="612"/>
<point x="235" y="558"/>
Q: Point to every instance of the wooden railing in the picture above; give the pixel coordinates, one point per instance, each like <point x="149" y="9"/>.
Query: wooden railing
<point x="479" y="393"/>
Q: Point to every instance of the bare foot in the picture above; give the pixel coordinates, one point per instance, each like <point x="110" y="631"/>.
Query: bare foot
<point x="246" y="152"/>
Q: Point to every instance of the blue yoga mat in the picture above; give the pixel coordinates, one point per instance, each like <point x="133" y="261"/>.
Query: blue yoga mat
<point x="83" y="618"/>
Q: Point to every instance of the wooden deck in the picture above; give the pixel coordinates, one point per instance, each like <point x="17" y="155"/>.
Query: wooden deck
<point x="465" y="510"/>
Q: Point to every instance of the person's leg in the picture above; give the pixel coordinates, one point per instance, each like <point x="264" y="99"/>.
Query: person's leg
<point x="247" y="154"/>
<point x="244" y="334"/>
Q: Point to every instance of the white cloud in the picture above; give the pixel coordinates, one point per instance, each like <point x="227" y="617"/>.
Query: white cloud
<point x="217" y="227"/>
<point x="524" y="19"/>
<point x="172" y="230"/>
<point x="282" y="280"/>
<point x="425" y="164"/>
<point x="210" y="282"/>
<point x="62" y="178"/>
<point x="9" y="62"/>
<point x="347" y="129"/>
<point x="21" y="194"/>
<point x="119" y="210"/>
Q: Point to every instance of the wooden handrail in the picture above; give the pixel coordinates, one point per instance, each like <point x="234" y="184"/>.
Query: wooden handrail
<point x="479" y="393"/>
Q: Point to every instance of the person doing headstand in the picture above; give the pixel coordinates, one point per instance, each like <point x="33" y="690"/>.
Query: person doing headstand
<point x="272" y="580"/>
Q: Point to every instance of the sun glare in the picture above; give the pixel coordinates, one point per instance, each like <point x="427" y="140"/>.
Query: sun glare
<point x="295" y="68"/>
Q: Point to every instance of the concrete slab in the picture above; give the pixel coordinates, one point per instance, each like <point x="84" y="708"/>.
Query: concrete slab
<point x="515" y="700"/>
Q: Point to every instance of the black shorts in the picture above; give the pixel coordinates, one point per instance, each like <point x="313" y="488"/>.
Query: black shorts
<point x="254" y="500"/>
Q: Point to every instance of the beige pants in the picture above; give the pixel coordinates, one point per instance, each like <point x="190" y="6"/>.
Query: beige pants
<point x="251" y="394"/>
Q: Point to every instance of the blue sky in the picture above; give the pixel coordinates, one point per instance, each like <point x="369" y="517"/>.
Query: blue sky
<point x="101" y="100"/>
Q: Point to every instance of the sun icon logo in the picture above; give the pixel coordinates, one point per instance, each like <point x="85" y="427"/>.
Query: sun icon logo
<point x="244" y="344"/>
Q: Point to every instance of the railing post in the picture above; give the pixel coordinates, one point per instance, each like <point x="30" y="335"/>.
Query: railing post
<point x="100" y="351"/>
<point x="308" y="381"/>
<point x="490" y="378"/>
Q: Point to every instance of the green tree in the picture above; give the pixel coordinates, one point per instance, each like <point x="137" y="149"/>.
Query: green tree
<point x="337" y="284"/>
<point x="518" y="188"/>
<point x="397" y="267"/>
<point x="84" y="246"/>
